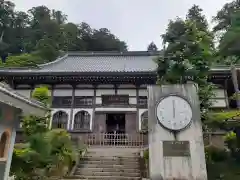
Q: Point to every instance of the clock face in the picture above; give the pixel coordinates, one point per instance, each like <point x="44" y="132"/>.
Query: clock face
<point x="174" y="113"/>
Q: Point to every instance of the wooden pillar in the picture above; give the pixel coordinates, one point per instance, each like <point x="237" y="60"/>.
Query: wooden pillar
<point x="116" y="88"/>
<point x="226" y="92"/>
<point x="70" y="126"/>
<point x="94" y="106"/>
<point x="137" y="106"/>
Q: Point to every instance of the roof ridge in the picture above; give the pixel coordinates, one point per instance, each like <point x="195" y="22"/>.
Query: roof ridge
<point x="113" y="53"/>
<point x="53" y="62"/>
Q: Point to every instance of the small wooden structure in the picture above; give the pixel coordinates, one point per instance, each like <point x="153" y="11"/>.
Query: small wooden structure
<point x="12" y="106"/>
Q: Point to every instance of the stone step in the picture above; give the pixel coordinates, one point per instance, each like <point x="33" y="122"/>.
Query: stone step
<point x="81" y="165"/>
<point x="115" y="169"/>
<point x="93" y="173"/>
<point x="110" y="159"/>
<point x="109" y="162"/>
<point x="77" y="177"/>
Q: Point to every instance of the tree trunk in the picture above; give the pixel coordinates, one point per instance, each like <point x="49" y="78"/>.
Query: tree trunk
<point x="235" y="84"/>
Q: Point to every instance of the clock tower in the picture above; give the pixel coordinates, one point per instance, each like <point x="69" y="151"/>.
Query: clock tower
<point x="176" y="149"/>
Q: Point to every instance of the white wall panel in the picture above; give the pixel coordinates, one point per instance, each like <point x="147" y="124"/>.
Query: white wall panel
<point x="105" y="92"/>
<point x="130" y="92"/>
<point x="84" y="92"/>
<point x="132" y="100"/>
<point x="143" y="92"/>
<point x="105" y="109"/>
<point x="62" y="92"/>
<point x="98" y="100"/>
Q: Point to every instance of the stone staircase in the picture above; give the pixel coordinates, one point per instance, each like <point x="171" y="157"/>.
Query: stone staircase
<point x="109" y="164"/>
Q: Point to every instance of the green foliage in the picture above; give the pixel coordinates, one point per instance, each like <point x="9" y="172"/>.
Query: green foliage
<point x="22" y="60"/>
<point x="223" y="19"/>
<point x="146" y="155"/>
<point x="214" y="154"/>
<point x="47" y="152"/>
<point x="41" y="94"/>
<point x="33" y="124"/>
<point x="188" y="55"/>
<point x="223" y="119"/>
<point x="48" y="32"/>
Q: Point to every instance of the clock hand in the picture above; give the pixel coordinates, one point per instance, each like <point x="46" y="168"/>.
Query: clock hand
<point x="174" y="109"/>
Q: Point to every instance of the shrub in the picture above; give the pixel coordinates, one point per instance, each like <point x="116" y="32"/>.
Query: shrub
<point x="215" y="154"/>
<point x="146" y="155"/>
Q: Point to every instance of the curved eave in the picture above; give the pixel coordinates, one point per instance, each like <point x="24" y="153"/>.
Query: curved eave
<point x="12" y="98"/>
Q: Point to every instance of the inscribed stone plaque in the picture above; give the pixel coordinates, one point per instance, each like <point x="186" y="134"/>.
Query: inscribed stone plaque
<point x="176" y="148"/>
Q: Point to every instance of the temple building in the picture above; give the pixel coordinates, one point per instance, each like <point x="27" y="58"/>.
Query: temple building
<point x="96" y="93"/>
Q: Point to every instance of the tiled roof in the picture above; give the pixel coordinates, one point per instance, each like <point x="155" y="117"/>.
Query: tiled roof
<point x="89" y="62"/>
<point x="102" y="62"/>
<point x="4" y="88"/>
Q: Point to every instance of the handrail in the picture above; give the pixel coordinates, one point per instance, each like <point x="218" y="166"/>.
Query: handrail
<point x="114" y="139"/>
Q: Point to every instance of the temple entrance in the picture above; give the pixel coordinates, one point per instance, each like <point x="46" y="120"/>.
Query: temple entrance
<point x="115" y="123"/>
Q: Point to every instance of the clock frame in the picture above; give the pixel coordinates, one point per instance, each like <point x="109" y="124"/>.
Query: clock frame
<point x="184" y="99"/>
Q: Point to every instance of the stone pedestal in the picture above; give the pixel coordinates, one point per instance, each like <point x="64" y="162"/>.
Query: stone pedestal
<point x="176" y="155"/>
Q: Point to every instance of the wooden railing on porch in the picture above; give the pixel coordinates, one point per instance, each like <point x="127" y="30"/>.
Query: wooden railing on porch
<point x="111" y="139"/>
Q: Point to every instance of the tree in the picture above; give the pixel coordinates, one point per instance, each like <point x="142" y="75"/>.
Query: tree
<point x="195" y="14"/>
<point x="188" y="53"/>
<point x="229" y="49"/>
<point x="224" y="16"/>
<point x="152" y="47"/>
<point x="30" y="160"/>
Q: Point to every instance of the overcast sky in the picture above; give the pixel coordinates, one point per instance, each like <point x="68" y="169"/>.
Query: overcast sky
<point x="137" y="22"/>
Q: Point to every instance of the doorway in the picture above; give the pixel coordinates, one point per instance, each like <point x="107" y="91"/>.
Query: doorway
<point x="115" y="123"/>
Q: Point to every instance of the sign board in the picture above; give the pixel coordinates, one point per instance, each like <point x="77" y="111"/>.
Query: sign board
<point x="115" y="99"/>
<point x="176" y="148"/>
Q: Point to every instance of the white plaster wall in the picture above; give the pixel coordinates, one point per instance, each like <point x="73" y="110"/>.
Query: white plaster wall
<point x="143" y="92"/>
<point x="132" y="100"/>
<point x="68" y="111"/>
<point x="116" y="109"/>
<point x="98" y="100"/>
<point x="84" y="92"/>
<point x="24" y="92"/>
<point x="140" y="112"/>
<point x="62" y="92"/>
<point x="130" y="92"/>
<point x="100" y="92"/>
<point x="90" y="111"/>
